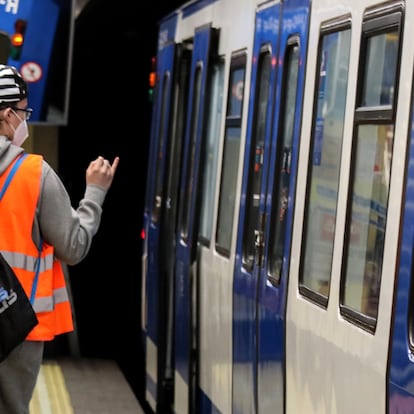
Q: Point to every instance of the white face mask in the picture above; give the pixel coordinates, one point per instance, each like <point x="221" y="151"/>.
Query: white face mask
<point x="20" y="133"/>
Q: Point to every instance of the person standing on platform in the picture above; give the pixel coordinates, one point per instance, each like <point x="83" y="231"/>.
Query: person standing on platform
<point x="39" y="226"/>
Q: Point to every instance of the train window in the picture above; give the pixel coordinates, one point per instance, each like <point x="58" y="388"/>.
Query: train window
<point x="381" y="60"/>
<point x="372" y="151"/>
<point x="176" y="131"/>
<point x="255" y="169"/>
<point x="369" y="203"/>
<point x="324" y="164"/>
<point x="231" y="152"/>
<point x="188" y="187"/>
<point x="211" y="151"/>
<point x="157" y="200"/>
<point x="282" y="175"/>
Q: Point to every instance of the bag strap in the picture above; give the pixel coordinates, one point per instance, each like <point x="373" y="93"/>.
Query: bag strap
<point x="36" y="278"/>
<point x="16" y="165"/>
<point x="9" y="177"/>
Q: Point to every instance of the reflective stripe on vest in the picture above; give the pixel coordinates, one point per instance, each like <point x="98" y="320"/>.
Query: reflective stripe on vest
<point x="21" y="261"/>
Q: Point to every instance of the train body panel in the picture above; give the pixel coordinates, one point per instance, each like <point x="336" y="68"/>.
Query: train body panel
<point x="277" y="259"/>
<point x="223" y="157"/>
<point x="351" y="361"/>
<point x="217" y="247"/>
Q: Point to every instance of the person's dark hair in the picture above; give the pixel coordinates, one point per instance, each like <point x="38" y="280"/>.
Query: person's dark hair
<point x="13" y="88"/>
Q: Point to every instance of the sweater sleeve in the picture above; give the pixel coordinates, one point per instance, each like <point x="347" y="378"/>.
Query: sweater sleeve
<point x="68" y="230"/>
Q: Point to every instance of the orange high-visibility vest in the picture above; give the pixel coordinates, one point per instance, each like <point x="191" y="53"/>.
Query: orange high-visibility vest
<point x="17" y="211"/>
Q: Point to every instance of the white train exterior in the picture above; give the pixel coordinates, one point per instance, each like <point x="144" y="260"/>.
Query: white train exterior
<point x="279" y="222"/>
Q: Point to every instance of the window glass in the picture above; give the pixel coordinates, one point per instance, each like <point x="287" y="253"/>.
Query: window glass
<point x="228" y="188"/>
<point x="157" y="200"/>
<point x="325" y="161"/>
<point x="261" y="106"/>
<point x="381" y="66"/>
<point x="282" y="174"/>
<point x="370" y="171"/>
<point x="369" y="205"/>
<point x="231" y="151"/>
<point x="188" y="188"/>
<point x="211" y="152"/>
<point x="236" y="93"/>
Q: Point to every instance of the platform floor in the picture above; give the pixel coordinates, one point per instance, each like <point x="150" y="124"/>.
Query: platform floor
<point x="83" y="386"/>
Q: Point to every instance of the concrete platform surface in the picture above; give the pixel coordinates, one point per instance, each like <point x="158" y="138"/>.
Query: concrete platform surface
<point x="83" y="386"/>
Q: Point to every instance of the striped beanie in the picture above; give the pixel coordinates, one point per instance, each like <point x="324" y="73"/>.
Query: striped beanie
<point x="12" y="86"/>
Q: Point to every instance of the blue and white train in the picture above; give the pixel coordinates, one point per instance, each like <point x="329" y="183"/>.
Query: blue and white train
<point x="279" y="217"/>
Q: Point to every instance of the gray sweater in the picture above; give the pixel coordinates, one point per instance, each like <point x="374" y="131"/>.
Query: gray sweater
<point x="70" y="231"/>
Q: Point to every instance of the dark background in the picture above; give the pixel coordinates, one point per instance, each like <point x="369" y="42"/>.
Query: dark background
<point x="110" y="115"/>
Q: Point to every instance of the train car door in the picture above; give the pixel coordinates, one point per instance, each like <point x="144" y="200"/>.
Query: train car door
<point x="204" y="46"/>
<point x="269" y="180"/>
<point x="347" y="220"/>
<point x="160" y="214"/>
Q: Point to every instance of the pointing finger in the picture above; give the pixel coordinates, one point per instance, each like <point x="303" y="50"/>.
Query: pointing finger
<point x="114" y="165"/>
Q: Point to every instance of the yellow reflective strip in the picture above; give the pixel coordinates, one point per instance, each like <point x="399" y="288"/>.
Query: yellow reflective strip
<point x="50" y="394"/>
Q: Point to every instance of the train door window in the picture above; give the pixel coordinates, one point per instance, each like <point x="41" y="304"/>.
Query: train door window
<point x="176" y="131"/>
<point x="188" y="186"/>
<point x="260" y="115"/>
<point x="325" y="161"/>
<point x="372" y="150"/>
<point x="211" y="151"/>
<point x="284" y="154"/>
<point x="157" y="200"/>
<point x="231" y="150"/>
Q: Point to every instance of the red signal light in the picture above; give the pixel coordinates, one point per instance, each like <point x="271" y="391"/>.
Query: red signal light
<point x="20" y="26"/>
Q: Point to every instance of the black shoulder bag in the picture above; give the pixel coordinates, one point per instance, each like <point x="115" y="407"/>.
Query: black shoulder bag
<point x="17" y="317"/>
